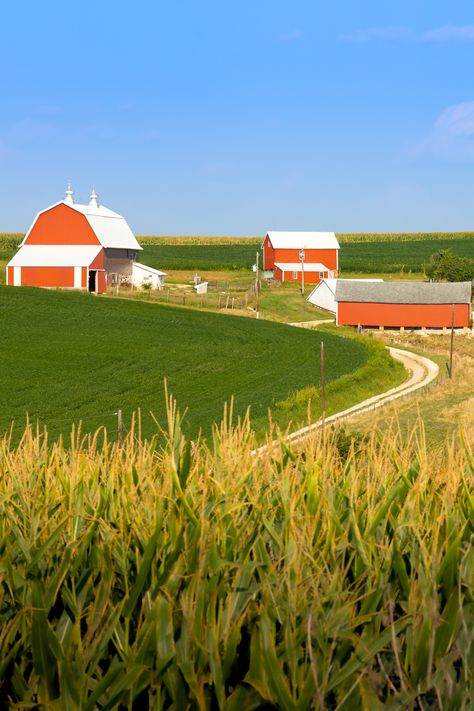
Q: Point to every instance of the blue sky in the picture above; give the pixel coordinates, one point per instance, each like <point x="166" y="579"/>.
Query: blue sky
<point x="220" y="117"/>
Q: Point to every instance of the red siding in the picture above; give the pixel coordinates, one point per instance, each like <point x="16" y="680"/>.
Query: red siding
<point x="409" y="315"/>
<point x="101" y="282"/>
<point x="98" y="262"/>
<point x="268" y="254"/>
<point x="328" y="257"/>
<point x="10" y="276"/>
<point x="84" y="277"/>
<point x="62" y="225"/>
<point x="309" y="277"/>
<point x="47" y="276"/>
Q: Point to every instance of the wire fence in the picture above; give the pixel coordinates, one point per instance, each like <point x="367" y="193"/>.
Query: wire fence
<point x="219" y="296"/>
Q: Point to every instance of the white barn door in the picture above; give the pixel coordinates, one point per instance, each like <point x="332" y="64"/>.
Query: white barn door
<point x="16" y="276"/>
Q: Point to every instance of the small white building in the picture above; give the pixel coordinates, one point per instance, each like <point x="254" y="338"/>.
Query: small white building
<point x="201" y="288"/>
<point x="141" y="274"/>
<point x="324" y="294"/>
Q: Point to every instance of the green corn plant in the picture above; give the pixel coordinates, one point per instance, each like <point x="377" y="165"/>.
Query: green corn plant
<point x="177" y="574"/>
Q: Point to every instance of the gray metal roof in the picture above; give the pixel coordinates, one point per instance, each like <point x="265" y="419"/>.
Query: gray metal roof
<point x="404" y="292"/>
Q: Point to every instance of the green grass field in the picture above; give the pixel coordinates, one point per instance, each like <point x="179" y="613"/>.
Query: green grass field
<point x="377" y="254"/>
<point x="398" y="256"/>
<point x="200" y="257"/>
<point x="71" y="356"/>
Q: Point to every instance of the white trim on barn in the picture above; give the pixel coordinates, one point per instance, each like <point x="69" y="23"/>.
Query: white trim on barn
<point x="53" y="255"/>
<point x="295" y="268"/>
<point x="78" y="277"/>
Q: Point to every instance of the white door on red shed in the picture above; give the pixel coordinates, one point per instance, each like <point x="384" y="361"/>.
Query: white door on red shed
<point x="16" y="276"/>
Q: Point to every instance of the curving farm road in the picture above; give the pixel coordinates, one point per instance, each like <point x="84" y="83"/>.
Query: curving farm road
<point x="422" y="372"/>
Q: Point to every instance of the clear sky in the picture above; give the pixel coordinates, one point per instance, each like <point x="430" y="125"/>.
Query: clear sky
<point x="239" y="116"/>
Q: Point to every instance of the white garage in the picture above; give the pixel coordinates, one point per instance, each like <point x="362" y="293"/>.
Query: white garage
<point x="324" y="293"/>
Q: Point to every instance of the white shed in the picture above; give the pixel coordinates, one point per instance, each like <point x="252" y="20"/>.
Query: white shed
<point x="201" y="288"/>
<point x="323" y="294"/>
<point x="142" y="274"/>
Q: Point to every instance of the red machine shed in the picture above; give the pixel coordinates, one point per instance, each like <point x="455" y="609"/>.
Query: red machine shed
<point x="403" y="304"/>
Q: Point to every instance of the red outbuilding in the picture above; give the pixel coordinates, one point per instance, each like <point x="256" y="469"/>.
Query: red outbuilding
<point x="403" y="304"/>
<point x="73" y="246"/>
<point x="293" y="256"/>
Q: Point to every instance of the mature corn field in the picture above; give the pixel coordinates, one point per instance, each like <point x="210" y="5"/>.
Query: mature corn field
<point x="186" y="578"/>
<point x="361" y="237"/>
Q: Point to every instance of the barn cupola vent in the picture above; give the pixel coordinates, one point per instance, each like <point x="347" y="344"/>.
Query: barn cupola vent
<point x="93" y="199"/>
<point x="69" y="193"/>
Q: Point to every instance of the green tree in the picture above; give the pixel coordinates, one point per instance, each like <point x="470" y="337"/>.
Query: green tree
<point x="444" y="266"/>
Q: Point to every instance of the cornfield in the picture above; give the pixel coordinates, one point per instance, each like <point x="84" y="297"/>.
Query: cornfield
<point x="9" y="242"/>
<point x="187" y="576"/>
<point x="147" y="240"/>
<point x="363" y="237"/>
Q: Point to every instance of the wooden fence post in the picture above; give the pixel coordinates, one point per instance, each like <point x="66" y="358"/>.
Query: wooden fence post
<point x="119" y="428"/>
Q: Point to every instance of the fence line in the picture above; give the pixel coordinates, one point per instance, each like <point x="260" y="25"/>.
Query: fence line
<point x="222" y="300"/>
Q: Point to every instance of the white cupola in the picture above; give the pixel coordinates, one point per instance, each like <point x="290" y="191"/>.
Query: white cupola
<point x="93" y="199"/>
<point x="69" y="193"/>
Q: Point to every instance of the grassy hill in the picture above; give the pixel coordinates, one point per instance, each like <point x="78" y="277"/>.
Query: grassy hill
<point x="71" y="356"/>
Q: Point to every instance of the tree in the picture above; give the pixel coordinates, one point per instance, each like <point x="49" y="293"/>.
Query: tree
<point x="444" y="266"/>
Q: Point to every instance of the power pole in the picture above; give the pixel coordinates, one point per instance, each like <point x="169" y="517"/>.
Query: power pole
<point x="119" y="428"/>
<point x="302" y="270"/>
<point x="452" y="343"/>
<point x="257" y="305"/>
<point x="323" y="388"/>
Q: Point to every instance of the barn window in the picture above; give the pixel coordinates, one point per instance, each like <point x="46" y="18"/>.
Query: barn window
<point x="295" y="275"/>
<point x="321" y="275"/>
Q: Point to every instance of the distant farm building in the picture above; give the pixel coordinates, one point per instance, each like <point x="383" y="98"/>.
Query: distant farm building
<point x="289" y="254"/>
<point x="324" y="294"/>
<point x="74" y="246"/>
<point x="403" y="304"/>
<point x="141" y="274"/>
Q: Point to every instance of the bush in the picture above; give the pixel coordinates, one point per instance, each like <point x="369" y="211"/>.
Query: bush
<point x="446" y="266"/>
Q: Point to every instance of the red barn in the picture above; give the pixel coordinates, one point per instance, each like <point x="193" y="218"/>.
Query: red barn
<point x="74" y="246"/>
<point x="288" y="254"/>
<point x="409" y="304"/>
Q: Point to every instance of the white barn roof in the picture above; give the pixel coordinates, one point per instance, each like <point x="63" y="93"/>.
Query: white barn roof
<point x="110" y="228"/>
<point x="145" y="268"/>
<point x="303" y="240"/>
<point x="38" y="255"/>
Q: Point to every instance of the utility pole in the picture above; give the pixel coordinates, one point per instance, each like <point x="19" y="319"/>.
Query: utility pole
<point x="302" y="270"/>
<point x="452" y="343"/>
<point x="323" y="388"/>
<point x="257" y="305"/>
<point x="119" y="428"/>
